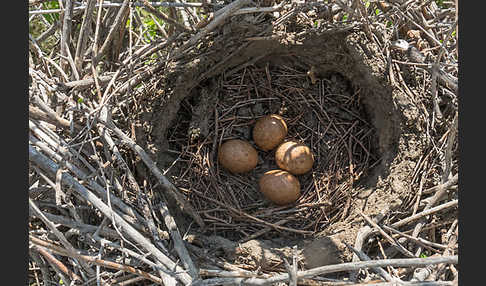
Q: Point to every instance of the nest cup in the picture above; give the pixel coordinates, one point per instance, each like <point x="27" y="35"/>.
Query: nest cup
<point x="330" y="101"/>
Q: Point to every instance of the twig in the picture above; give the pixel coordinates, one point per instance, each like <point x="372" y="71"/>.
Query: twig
<point x="292" y="269"/>
<point x="179" y="244"/>
<point x="448" y="151"/>
<point x="363" y="233"/>
<point x="95" y="46"/>
<point x="84" y="83"/>
<point x="419" y="240"/>
<point x="58" y="264"/>
<point x="166" y="184"/>
<point x="262" y="231"/>
<point x="111" y="34"/>
<point x="111" y="5"/>
<point x="363" y="257"/>
<point x="52" y="29"/>
<point x="386" y="235"/>
<point x="73" y="252"/>
<point x="38" y="114"/>
<point x="430" y="203"/>
<point x="406" y="283"/>
<point x="99" y="189"/>
<point x="41" y="264"/>
<point x="49" y="166"/>
<point x="66" y="31"/>
<point x="242" y="213"/>
<point x="228" y="11"/>
<point x="83" y="228"/>
<point x="84" y="34"/>
<point x="424" y="213"/>
<point x="97" y="261"/>
<point x="445" y="186"/>
<point x="403" y="262"/>
<point x="260" y="9"/>
<point x="164" y="17"/>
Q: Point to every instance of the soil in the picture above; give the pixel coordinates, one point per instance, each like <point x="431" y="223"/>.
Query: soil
<point x="347" y="63"/>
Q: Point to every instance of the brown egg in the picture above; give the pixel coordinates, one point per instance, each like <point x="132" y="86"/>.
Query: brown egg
<point x="269" y="131"/>
<point x="237" y="156"/>
<point x="280" y="187"/>
<point x="294" y="157"/>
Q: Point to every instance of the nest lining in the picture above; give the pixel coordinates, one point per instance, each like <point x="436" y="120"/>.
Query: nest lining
<point x="326" y="115"/>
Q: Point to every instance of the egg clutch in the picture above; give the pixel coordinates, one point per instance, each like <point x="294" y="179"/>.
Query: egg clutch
<point x="292" y="158"/>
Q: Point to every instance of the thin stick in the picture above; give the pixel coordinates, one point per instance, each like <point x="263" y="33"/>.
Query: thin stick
<point x="166" y="184"/>
<point x="179" y="244"/>
<point x="228" y="11"/>
<point x="84" y="34"/>
<point x="41" y="264"/>
<point x="84" y="83"/>
<point x="47" y="165"/>
<point x="66" y="31"/>
<point x="112" y="32"/>
<point x="424" y="213"/>
<point x="97" y="261"/>
<point x="386" y="235"/>
<point x="54" y="261"/>
<point x="73" y="252"/>
<point x="448" y="184"/>
<point x="110" y="5"/>
<point x="92" y="183"/>
<point x="427" y="244"/>
<point x="402" y="262"/>
<point x="164" y="17"/>
<point x="242" y="213"/>
<point x="363" y="257"/>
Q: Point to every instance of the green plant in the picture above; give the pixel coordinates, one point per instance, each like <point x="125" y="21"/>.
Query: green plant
<point x="440" y="4"/>
<point x="149" y="22"/>
<point x="53" y="17"/>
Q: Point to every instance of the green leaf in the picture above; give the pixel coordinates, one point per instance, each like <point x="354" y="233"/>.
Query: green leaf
<point x="50" y="5"/>
<point x="423" y="255"/>
<point x="80" y="100"/>
<point x="440" y="3"/>
<point x="345" y="17"/>
<point x="377" y="11"/>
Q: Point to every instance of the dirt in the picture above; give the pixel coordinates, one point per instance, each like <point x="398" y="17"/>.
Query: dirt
<point x="191" y="91"/>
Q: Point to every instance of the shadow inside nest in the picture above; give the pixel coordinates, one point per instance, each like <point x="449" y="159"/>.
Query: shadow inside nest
<point x="327" y="115"/>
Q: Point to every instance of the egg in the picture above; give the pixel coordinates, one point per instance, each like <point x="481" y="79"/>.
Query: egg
<point x="294" y="157"/>
<point x="280" y="187"/>
<point x="269" y="131"/>
<point x="237" y="156"/>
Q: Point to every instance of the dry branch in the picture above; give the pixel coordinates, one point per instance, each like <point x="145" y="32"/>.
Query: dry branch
<point x="50" y="167"/>
<point x="112" y="32"/>
<point x="84" y="34"/>
<point x="406" y="262"/>
<point x="97" y="261"/>
<point x="119" y="93"/>
<point x="66" y="31"/>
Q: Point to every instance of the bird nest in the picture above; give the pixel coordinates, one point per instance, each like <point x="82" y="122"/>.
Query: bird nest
<point x="326" y="114"/>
